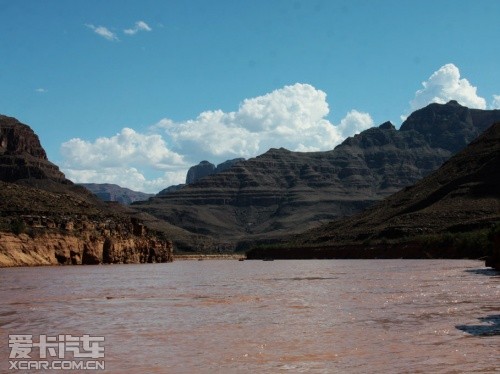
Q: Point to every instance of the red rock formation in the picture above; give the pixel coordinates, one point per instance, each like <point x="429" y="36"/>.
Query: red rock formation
<point x="52" y="248"/>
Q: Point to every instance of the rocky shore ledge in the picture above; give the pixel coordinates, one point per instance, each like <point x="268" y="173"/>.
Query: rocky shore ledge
<point x="60" y="249"/>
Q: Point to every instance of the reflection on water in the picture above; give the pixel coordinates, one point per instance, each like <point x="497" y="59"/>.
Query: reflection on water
<point x="254" y="316"/>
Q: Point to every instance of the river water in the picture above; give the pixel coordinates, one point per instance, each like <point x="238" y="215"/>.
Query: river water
<point x="325" y="316"/>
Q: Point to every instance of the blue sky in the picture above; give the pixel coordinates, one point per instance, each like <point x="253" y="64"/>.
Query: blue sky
<point x="135" y="92"/>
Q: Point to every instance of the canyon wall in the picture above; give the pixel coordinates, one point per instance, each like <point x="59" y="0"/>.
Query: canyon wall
<point x="45" y="219"/>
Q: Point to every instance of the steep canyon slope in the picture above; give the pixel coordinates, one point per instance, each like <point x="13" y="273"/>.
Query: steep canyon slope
<point x="269" y="197"/>
<point x="460" y="200"/>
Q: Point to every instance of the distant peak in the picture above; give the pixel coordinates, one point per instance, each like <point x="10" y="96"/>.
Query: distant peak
<point x="453" y="103"/>
<point x="387" y="126"/>
<point x="205" y="162"/>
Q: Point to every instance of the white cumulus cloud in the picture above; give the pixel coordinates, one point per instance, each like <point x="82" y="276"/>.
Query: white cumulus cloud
<point x="444" y="85"/>
<point x="139" y="26"/>
<point x="126" y="148"/>
<point x="123" y="159"/>
<point x="104" y="32"/>
<point x="293" y="117"/>
<point x="355" y="122"/>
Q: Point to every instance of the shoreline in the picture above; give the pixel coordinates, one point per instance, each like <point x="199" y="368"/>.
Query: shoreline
<point x="407" y="250"/>
<point x="202" y="257"/>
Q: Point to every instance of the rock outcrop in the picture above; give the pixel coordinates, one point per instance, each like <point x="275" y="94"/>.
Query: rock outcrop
<point x="199" y="171"/>
<point x="45" y="219"/>
<point x="266" y="198"/>
<point x="22" y="156"/>
<point x="205" y="168"/>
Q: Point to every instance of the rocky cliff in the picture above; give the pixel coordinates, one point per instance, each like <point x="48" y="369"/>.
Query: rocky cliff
<point x="46" y="219"/>
<point x="199" y="171"/>
<point x="282" y="192"/>
<point x="21" y="155"/>
<point x="55" y="248"/>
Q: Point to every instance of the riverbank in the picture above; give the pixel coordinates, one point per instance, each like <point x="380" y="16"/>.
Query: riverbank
<point x="412" y="250"/>
<point x="480" y="244"/>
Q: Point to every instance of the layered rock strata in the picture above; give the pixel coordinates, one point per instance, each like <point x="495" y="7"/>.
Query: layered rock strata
<point x="462" y="196"/>
<point x="45" y="219"/>
<point x="281" y="192"/>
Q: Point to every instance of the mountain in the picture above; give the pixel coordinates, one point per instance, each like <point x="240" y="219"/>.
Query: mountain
<point x="199" y="171"/>
<point x="45" y="219"/>
<point x="435" y="217"/>
<point x="203" y="169"/>
<point x="113" y="192"/>
<point x="269" y="197"/>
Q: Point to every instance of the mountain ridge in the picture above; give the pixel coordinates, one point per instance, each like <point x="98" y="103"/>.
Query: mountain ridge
<point x="261" y="200"/>
<point x="448" y="213"/>
<point x="265" y="198"/>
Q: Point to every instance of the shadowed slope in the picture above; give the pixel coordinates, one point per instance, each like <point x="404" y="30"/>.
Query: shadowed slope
<point x="463" y="193"/>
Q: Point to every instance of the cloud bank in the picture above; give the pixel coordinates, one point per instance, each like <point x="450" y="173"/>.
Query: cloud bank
<point x="293" y="117"/>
